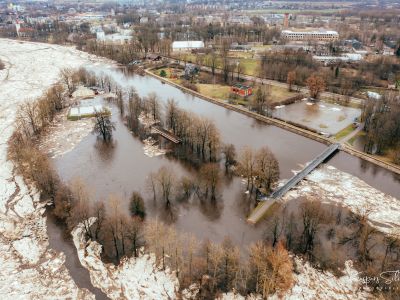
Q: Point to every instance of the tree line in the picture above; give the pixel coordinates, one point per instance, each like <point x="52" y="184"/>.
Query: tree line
<point x="328" y="235"/>
<point x="382" y="125"/>
<point x="213" y="268"/>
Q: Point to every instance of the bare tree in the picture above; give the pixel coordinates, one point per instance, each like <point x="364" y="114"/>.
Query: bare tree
<point x="135" y="234"/>
<point x="113" y="224"/>
<point x="392" y="242"/>
<point x="316" y="85"/>
<point x="187" y="186"/>
<point x="312" y="217"/>
<point x="272" y="269"/>
<point x="260" y="101"/>
<point x="99" y="212"/>
<point x="67" y="78"/>
<point x="172" y="114"/>
<point x="247" y="166"/>
<point x="210" y="177"/>
<point x="267" y="168"/>
<point x="151" y="184"/>
<point x="80" y="212"/>
<point x="166" y="181"/>
<point x="213" y="59"/>
<point x="103" y="125"/>
<point x="154" y="106"/>
<point x="291" y="78"/>
<point x="229" y="153"/>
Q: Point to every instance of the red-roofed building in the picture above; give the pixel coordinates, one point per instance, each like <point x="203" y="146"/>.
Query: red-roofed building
<point x="241" y="90"/>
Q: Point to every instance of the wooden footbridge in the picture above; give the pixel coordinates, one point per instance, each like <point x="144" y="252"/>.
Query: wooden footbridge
<point x="275" y="197"/>
<point x="166" y="134"/>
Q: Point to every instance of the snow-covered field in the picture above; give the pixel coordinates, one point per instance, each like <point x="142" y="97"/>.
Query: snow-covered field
<point x="313" y="284"/>
<point x="63" y="135"/>
<point x="29" y="269"/>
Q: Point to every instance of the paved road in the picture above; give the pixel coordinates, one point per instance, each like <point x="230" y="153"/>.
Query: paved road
<point x="304" y="90"/>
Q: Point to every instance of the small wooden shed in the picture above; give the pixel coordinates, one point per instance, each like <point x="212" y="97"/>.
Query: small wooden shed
<point x="241" y="90"/>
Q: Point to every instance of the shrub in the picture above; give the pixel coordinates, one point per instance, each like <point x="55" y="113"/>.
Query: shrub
<point x="190" y="86"/>
<point x="136" y="205"/>
<point x="163" y="73"/>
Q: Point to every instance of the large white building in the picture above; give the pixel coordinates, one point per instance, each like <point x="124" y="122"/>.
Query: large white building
<point x="187" y="45"/>
<point x="317" y="35"/>
<point x="122" y="37"/>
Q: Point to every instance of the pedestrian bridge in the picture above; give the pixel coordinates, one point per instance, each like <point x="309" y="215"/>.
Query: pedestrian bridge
<point x="269" y="201"/>
<point x="166" y="134"/>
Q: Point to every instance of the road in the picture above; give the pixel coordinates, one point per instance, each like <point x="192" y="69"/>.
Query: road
<point x="328" y="95"/>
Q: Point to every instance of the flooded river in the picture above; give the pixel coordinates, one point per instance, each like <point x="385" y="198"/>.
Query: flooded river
<point x="123" y="168"/>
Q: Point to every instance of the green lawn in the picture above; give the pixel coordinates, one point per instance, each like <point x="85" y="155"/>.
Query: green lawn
<point x="222" y="92"/>
<point x="277" y="93"/>
<point x="216" y="91"/>
<point x="354" y="138"/>
<point x="344" y="132"/>
<point x="250" y="66"/>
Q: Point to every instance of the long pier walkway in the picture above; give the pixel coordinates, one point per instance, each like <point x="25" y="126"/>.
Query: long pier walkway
<point x="263" y="206"/>
<point x="166" y="134"/>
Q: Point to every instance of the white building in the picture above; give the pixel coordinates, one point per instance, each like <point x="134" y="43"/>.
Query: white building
<point x="317" y="35"/>
<point x="116" y="38"/>
<point x="144" y="20"/>
<point x="346" y="57"/>
<point x="187" y="45"/>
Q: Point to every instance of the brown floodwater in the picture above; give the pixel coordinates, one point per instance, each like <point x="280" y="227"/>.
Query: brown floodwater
<point x="62" y="243"/>
<point x="123" y="168"/>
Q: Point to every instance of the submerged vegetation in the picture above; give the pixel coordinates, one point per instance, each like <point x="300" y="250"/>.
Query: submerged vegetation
<point x="214" y="268"/>
<point x="265" y="268"/>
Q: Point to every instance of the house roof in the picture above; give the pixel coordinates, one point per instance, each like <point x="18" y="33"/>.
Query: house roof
<point x="241" y="86"/>
<point x="187" y="44"/>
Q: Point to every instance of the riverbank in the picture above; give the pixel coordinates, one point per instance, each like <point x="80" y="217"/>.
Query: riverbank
<point x="285" y="125"/>
<point x="31" y="269"/>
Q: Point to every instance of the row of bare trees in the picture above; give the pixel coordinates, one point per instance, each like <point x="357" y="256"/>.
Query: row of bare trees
<point x="259" y="168"/>
<point x="212" y="267"/>
<point x="32" y="119"/>
<point x="33" y="116"/>
<point x="219" y="267"/>
<point x="199" y="135"/>
<point x="382" y="124"/>
<point x="329" y="235"/>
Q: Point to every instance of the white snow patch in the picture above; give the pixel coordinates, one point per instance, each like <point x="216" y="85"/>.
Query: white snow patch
<point x="313" y="284"/>
<point x="29" y="269"/>
<point x="28" y="248"/>
<point x="332" y="185"/>
<point x="63" y="135"/>
<point x="151" y="148"/>
<point x="83" y="92"/>
<point x="133" y="278"/>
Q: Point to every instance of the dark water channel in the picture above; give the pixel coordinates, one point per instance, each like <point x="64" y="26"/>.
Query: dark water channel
<point x="123" y="168"/>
